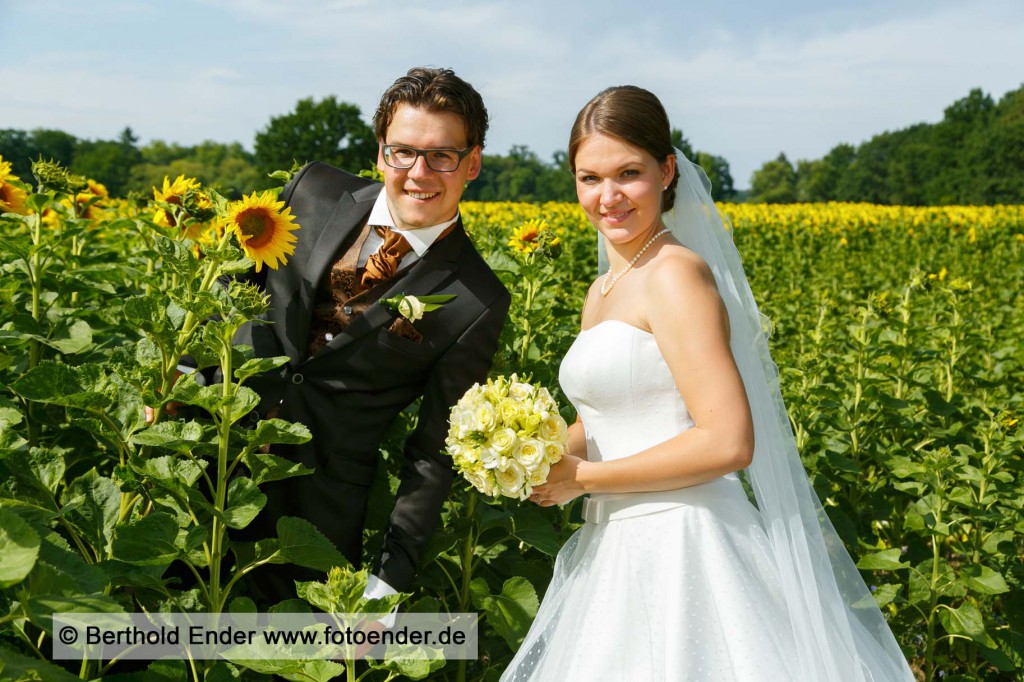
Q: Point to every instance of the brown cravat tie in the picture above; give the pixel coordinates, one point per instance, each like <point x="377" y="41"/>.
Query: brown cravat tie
<point x="383" y="263"/>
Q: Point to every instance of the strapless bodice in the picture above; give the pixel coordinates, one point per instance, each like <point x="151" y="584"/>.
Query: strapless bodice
<point x="615" y="376"/>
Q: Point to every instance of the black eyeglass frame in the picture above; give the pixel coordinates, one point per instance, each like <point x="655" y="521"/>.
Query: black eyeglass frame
<point x="462" y="153"/>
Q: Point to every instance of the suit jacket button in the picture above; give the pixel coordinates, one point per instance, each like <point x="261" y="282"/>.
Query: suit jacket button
<point x="297" y="378"/>
<point x="347" y="309"/>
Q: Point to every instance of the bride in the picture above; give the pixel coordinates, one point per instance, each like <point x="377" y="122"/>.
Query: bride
<point x="675" y="575"/>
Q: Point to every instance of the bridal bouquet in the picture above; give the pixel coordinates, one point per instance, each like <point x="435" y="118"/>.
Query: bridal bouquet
<point x="504" y="436"/>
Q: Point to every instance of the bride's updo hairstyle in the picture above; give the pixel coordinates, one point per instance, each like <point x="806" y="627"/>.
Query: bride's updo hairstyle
<point x="636" y="117"/>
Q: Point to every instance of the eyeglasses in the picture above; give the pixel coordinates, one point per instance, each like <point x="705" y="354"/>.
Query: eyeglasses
<point x="439" y="160"/>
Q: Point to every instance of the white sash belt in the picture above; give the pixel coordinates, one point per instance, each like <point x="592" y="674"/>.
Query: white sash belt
<point x="612" y="507"/>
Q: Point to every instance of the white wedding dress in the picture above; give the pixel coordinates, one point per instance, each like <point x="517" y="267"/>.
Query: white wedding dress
<point x="678" y="585"/>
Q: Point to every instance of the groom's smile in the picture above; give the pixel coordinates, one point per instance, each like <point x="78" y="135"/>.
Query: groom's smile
<point x="420" y="196"/>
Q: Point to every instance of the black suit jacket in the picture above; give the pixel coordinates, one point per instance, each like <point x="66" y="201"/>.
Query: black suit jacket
<point x="349" y="392"/>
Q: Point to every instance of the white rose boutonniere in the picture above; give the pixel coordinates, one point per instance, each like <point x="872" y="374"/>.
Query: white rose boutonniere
<point x="412" y="308"/>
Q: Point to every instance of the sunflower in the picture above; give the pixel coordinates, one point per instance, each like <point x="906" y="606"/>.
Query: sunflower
<point x="524" y="238"/>
<point x="12" y="197"/>
<point x="172" y="193"/>
<point x="87" y="199"/>
<point x="263" y="229"/>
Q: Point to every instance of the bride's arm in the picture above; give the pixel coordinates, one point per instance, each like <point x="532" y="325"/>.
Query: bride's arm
<point x="691" y="326"/>
<point x="577" y="443"/>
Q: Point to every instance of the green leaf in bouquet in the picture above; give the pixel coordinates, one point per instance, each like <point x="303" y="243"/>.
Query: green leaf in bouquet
<point x="92" y="503"/>
<point x="243" y="504"/>
<point x="265" y="467"/>
<point x="302" y="544"/>
<point x="511" y="612"/>
<point x="148" y="540"/>
<point x="532" y="527"/>
<point x="19" y="548"/>
<point x="983" y="579"/>
<point x="259" y="366"/>
<point x="886" y="560"/>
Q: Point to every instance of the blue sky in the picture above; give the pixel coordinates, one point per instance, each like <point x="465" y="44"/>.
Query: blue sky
<point x="743" y="79"/>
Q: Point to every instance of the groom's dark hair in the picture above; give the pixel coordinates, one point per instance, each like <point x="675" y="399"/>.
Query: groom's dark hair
<point x="434" y="90"/>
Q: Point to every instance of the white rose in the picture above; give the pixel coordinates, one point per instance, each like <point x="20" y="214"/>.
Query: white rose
<point x="520" y="391"/>
<point x="484" y="417"/>
<point x="530" y="453"/>
<point x="489" y="458"/>
<point x="553" y="428"/>
<point x="553" y="452"/>
<point x="411" y="308"/>
<point x="539" y="476"/>
<point x="510" y="411"/>
<point x="503" y="441"/>
<point x="510" y="479"/>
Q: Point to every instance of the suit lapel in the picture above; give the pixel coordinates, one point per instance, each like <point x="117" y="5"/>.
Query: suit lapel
<point x="423" y="278"/>
<point x="349" y="212"/>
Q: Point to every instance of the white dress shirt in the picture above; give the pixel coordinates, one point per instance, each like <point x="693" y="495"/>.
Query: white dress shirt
<point x="419" y="239"/>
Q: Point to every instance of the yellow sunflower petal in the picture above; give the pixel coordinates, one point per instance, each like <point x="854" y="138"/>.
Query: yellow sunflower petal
<point x="264" y="230"/>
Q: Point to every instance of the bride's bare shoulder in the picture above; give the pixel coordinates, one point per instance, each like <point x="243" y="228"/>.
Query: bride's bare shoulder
<point x="677" y="269"/>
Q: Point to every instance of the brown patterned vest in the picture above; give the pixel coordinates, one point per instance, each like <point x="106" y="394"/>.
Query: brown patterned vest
<point x="340" y="296"/>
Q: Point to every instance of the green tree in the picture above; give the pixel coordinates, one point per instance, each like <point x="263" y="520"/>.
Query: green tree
<point x="21" y="148"/>
<point x="328" y="131"/>
<point x="717" y="169"/>
<point x="108" y="161"/>
<point x="774" y="182"/>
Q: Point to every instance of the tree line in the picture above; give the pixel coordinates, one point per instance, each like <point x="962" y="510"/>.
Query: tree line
<point x="327" y="130"/>
<point x="974" y="156"/>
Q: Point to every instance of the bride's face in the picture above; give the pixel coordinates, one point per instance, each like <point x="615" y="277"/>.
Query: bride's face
<point x="620" y="186"/>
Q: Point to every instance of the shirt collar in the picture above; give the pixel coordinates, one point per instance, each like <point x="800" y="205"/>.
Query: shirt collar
<point x="419" y="239"/>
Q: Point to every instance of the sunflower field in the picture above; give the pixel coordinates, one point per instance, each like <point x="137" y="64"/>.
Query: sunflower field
<point x="897" y="331"/>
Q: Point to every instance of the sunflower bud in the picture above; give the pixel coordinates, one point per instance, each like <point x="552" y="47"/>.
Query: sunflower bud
<point x="198" y="205"/>
<point x="51" y="176"/>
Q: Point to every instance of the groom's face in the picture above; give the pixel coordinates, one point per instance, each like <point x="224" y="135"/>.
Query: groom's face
<point x="419" y="196"/>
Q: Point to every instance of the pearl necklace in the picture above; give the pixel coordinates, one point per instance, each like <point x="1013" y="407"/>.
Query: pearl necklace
<point x="606" y="286"/>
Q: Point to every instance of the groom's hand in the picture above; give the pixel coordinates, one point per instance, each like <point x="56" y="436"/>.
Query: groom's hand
<point x="562" y="485"/>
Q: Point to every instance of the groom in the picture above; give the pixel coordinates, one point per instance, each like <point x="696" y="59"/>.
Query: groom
<point x="354" y="363"/>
